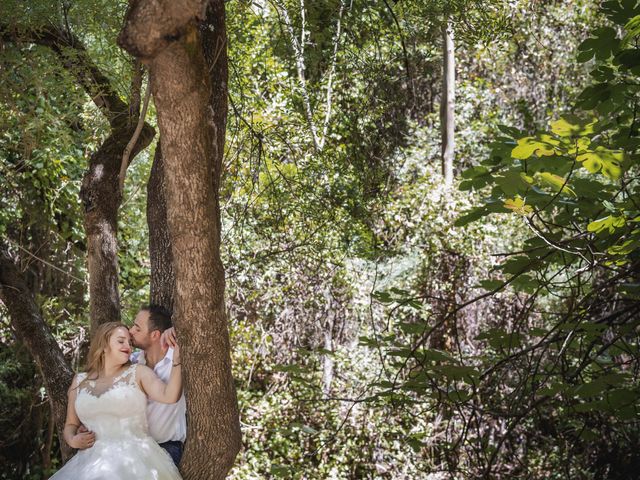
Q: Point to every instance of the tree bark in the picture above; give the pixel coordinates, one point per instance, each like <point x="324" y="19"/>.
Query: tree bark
<point x="163" y="279"/>
<point x="192" y="137"/>
<point x="32" y="331"/>
<point x="447" y="105"/>
<point x="101" y="198"/>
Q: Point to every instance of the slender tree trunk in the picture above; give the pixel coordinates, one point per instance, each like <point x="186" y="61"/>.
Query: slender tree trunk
<point x="298" y="52"/>
<point x="166" y="35"/>
<point x="163" y="279"/>
<point x="327" y="359"/>
<point x="447" y="105"/>
<point x="32" y="331"/>
<point x="101" y="198"/>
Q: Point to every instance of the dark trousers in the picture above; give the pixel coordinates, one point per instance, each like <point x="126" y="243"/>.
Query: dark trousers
<point x="174" y="448"/>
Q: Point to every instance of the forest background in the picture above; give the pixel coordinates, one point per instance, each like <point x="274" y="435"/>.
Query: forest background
<point x="383" y="323"/>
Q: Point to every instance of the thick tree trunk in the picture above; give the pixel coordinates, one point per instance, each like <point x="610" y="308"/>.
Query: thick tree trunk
<point x="32" y="331"/>
<point x="447" y="105"/>
<point x="192" y="136"/>
<point x="163" y="279"/>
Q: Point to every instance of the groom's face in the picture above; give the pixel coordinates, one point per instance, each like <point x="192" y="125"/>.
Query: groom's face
<point x="140" y="335"/>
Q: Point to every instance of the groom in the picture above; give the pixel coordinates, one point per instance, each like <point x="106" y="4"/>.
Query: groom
<point x="167" y="422"/>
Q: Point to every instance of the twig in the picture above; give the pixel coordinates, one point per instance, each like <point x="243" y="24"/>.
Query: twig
<point x="127" y="151"/>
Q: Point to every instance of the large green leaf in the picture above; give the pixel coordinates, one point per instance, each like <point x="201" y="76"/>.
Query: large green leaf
<point x="602" y="45"/>
<point x="529" y="146"/>
<point x="609" y="223"/>
<point x="572" y="126"/>
<point x="603" y="160"/>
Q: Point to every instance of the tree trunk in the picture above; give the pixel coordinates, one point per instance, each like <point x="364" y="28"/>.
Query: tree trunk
<point x="327" y="359"/>
<point x="32" y="331"/>
<point x="101" y="197"/>
<point x="192" y="137"/>
<point x="163" y="279"/>
<point x="447" y="105"/>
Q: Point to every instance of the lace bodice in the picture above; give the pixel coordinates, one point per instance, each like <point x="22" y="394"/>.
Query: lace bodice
<point x="112" y="409"/>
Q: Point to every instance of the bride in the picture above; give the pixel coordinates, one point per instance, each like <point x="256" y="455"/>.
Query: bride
<point x="110" y="399"/>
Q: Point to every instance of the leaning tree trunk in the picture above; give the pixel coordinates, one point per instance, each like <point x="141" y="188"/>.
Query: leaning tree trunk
<point x="101" y="198"/>
<point x="166" y="36"/>
<point x="163" y="279"/>
<point x="447" y="105"/>
<point x="32" y="331"/>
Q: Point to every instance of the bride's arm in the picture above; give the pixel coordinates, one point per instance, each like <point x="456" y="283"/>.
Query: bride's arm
<point x="72" y="423"/>
<point x="155" y="388"/>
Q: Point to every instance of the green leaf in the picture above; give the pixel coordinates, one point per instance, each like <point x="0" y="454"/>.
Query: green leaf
<point x="589" y="435"/>
<point x="491" y="285"/>
<point x="382" y="296"/>
<point x="622" y="397"/>
<point x="479" y="212"/>
<point x="590" y="389"/>
<point x="556" y="182"/>
<point x="510" y="131"/>
<point x="632" y="28"/>
<point x="572" y="126"/>
<point x="620" y="11"/>
<point x="436" y="355"/>
<point x="511" y="182"/>
<point x="628" y="59"/>
<point x="412" y="328"/>
<point x="475" y="172"/>
<point x="458" y="372"/>
<point x="609" y="223"/>
<point x="528" y="146"/>
<point x="589" y="406"/>
<point x="525" y="283"/>
<point x="602" y="45"/>
<point x="402" y="352"/>
<point x="593" y="95"/>
<point x="552" y="390"/>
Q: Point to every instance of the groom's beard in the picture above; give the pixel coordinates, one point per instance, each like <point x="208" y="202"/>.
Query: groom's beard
<point x="140" y="345"/>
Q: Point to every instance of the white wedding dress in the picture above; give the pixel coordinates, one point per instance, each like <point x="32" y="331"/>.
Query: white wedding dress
<point x="123" y="449"/>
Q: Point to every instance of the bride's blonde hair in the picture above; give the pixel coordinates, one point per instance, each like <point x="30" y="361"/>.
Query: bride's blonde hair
<point x="99" y="343"/>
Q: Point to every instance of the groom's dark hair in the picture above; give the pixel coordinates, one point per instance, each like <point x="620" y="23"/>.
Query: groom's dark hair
<point x="159" y="317"/>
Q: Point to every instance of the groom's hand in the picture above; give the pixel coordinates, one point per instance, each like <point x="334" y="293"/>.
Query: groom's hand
<point x="168" y="338"/>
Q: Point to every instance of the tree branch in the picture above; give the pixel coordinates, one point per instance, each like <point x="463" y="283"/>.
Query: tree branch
<point x="76" y="60"/>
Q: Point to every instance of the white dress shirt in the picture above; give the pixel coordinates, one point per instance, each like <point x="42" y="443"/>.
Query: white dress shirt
<point x="167" y="421"/>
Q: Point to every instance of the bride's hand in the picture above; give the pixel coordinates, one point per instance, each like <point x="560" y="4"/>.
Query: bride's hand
<point x="168" y="338"/>
<point x="83" y="440"/>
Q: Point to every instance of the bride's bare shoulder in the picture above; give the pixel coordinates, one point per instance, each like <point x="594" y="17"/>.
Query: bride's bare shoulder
<point x="142" y="369"/>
